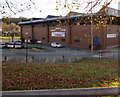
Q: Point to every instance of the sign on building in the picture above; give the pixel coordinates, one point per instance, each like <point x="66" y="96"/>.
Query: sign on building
<point x="58" y="34"/>
<point x="112" y="35"/>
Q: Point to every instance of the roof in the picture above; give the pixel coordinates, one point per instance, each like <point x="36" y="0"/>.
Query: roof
<point x="109" y="11"/>
<point x="71" y="13"/>
<point x="112" y="12"/>
<point x="50" y="18"/>
<point x="36" y="18"/>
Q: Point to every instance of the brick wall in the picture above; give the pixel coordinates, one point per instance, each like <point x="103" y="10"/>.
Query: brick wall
<point x="78" y="36"/>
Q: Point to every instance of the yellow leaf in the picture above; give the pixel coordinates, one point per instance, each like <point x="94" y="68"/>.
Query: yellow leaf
<point x="57" y="8"/>
<point x="113" y="18"/>
<point x="100" y="16"/>
<point x="64" y="5"/>
<point x="116" y="12"/>
<point x="113" y="13"/>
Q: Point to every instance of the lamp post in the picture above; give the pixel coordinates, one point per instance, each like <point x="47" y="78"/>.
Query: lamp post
<point x="91" y="28"/>
<point x="26" y="51"/>
<point x="91" y="33"/>
<point x="26" y="58"/>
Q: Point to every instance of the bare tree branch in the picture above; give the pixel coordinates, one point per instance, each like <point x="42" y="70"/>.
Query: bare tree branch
<point x="9" y="7"/>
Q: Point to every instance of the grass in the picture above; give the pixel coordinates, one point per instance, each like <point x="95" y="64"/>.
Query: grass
<point x="34" y="47"/>
<point x="35" y="76"/>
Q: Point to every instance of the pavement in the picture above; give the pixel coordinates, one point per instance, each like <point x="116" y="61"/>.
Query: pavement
<point x="103" y="91"/>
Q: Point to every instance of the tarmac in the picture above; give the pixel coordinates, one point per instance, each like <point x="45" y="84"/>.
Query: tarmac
<point x="104" y="91"/>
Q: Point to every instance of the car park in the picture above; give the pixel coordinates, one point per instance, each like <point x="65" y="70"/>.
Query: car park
<point x="56" y="44"/>
<point x="15" y="45"/>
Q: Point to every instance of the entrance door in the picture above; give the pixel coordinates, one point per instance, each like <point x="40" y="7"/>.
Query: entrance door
<point x="96" y="41"/>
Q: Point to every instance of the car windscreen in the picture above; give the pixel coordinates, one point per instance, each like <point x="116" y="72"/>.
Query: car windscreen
<point x="18" y="43"/>
<point x="57" y="43"/>
<point x="11" y="43"/>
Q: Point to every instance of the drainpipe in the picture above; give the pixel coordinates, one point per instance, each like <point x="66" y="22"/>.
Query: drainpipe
<point x="48" y="39"/>
<point x="21" y="34"/>
<point x="33" y="39"/>
<point x="70" y="34"/>
<point x="69" y="26"/>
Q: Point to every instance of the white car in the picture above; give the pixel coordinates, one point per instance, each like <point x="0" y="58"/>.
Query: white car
<point x="10" y="45"/>
<point x="55" y="44"/>
<point x="18" y="45"/>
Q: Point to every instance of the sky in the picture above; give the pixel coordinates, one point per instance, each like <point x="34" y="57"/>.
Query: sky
<point x="42" y="8"/>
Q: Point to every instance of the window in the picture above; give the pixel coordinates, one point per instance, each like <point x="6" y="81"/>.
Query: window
<point x="76" y="40"/>
<point x="43" y="38"/>
<point x="62" y="39"/>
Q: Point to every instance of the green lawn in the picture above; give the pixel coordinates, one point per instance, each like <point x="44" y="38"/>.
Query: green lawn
<point x="35" y="48"/>
<point x="35" y="76"/>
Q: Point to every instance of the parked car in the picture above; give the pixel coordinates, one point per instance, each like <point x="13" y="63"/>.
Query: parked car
<point x="3" y="44"/>
<point x="55" y="44"/>
<point x="18" y="45"/>
<point x="19" y="40"/>
<point x="10" y="45"/>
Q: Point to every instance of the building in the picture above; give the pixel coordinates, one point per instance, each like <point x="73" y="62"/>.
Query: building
<point x="75" y="29"/>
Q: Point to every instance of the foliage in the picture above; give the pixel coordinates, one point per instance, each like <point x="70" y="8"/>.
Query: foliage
<point x="113" y="83"/>
<point x="87" y="5"/>
<point x="8" y="20"/>
<point x="8" y="29"/>
<point x="35" y="76"/>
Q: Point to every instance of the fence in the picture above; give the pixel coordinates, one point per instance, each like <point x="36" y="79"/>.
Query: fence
<point x="61" y="59"/>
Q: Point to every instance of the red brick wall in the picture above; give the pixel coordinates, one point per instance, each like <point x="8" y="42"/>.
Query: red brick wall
<point x="58" y="39"/>
<point x="40" y="33"/>
<point x="27" y="32"/>
<point x="81" y="33"/>
<point x="112" y="29"/>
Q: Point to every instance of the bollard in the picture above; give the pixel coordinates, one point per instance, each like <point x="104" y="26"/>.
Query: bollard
<point x="33" y="58"/>
<point x="63" y="58"/>
<point x="76" y="59"/>
<point x="100" y="55"/>
<point x="5" y="58"/>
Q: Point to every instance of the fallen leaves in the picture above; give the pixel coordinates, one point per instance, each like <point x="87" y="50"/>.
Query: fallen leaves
<point x="34" y="76"/>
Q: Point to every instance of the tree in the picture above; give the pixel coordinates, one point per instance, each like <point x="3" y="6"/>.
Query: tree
<point x="76" y="5"/>
<point x="10" y="29"/>
<point x="9" y="20"/>
<point x="15" y="6"/>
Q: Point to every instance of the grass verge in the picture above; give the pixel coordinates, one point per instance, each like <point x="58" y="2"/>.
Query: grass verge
<point x="35" y="76"/>
<point x="35" y="48"/>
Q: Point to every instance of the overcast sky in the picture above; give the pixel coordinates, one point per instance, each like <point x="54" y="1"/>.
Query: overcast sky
<point x="43" y="8"/>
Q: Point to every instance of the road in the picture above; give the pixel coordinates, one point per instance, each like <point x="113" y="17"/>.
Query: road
<point x="49" y="54"/>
